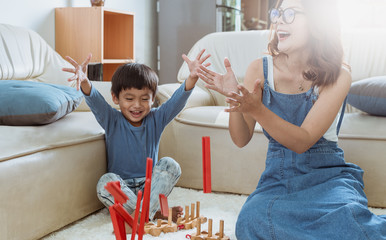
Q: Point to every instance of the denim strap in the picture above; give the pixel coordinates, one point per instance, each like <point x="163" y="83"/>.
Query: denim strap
<point x="341" y="116"/>
<point x="265" y="67"/>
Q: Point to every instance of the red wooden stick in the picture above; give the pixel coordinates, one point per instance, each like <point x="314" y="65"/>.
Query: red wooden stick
<point x="124" y="214"/>
<point x="163" y="202"/>
<point x="118" y="224"/>
<point x="149" y="168"/>
<point x="149" y="171"/>
<point x="145" y="209"/>
<point x="207" y="182"/>
<point x="146" y="198"/>
<point x="115" y="190"/>
<point x="136" y="215"/>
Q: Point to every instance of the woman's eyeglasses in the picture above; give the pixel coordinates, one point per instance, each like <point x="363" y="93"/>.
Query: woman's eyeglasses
<point x="288" y="15"/>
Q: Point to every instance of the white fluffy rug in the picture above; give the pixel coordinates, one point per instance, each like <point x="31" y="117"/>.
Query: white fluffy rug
<point x="213" y="205"/>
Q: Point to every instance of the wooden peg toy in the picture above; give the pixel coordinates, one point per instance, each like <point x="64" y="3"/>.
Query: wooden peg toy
<point x="187" y="221"/>
<point x="203" y="219"/>
<point x="190" y="220"/>
<point x="170" y="226"/>
<point x="198" y="235"/>
<point x="203" y="235"/>
<point x="209" y="235"/>
<point x="153" y="229"/>
<point x="220" y="234"/>
<point x="162" y="226"/>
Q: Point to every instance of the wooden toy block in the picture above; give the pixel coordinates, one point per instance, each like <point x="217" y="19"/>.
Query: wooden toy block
<point x="164" y="206"/>
<point x="209" y="235"/>
<point x="197" y="235"/>
<point x="203" y="235"/>
<point x="153" y="229"/>
<point x="187" y="222"/>
<point x="170" y="226"/>
<point x="161" y="226"/>
<point x="206" y="165"/>
<point x="190" y="220"/>
<point x="203" y="219"/>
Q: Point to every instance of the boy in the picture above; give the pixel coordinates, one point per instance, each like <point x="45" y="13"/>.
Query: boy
<point x="133" y="134"/>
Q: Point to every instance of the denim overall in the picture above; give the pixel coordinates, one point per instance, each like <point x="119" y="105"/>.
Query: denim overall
<point x="313" y="195"/>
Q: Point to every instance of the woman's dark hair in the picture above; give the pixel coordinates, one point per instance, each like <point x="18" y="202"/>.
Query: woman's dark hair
<point x="134" y="75"/>
<point x="326" y="58"/>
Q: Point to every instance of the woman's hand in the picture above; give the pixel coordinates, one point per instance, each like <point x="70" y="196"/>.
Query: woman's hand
<point x="79" y="71"/>
<point x="245" y="101"/>
<point x="224" y="84"/>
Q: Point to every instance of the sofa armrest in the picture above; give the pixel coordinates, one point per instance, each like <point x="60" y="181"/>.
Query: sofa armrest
<point x="105" y="89"/>
<point x="199" y="96"/>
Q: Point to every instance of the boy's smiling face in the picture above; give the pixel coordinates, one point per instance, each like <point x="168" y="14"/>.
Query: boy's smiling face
<point x="135" y="104"/>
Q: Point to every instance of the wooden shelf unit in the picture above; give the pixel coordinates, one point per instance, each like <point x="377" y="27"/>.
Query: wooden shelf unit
<point x="108" y="34"/>
<point x="256" y="13"/>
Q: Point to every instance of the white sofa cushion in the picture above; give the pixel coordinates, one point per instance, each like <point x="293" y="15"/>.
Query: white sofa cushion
<point x="24" y="55"/>
<point x="75" y="128"/>
<point x="365" y="52"/>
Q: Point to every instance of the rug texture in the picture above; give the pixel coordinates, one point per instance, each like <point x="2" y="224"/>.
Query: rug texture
<point x="216" y="206"/>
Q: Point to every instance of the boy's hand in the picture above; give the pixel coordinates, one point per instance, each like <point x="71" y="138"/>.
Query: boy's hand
<point x="194" y="66"/>
<point x="80" y="75"/>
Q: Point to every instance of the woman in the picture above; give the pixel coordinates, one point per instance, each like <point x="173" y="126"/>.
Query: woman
<point x="307" y="190"/>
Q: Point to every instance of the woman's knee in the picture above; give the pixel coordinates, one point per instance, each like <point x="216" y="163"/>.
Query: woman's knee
<point x="239" y="229"/>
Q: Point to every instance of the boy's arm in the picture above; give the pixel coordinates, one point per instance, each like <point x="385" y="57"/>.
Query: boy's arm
<point x="168" y="110"/>
<point x="103" y="112"/>
<point x="100" y="108"/>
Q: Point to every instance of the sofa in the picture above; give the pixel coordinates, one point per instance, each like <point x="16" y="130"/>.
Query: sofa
<point x="48" y="172"/>
<point x="237" y="170"/>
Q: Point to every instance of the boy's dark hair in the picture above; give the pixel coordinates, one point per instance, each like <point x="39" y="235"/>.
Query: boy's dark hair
<point x="134" y="75"/>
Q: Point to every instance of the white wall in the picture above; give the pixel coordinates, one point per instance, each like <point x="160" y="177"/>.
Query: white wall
<point x="39" y="15"/>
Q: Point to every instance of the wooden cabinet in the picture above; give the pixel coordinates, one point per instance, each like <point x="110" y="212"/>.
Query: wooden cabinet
<point x="107" y="34"/>
<point x="256" y="14"/>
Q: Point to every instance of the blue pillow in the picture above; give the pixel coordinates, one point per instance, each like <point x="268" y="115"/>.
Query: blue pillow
<point x="369" y="95"/>
<point x="35" y="103"/>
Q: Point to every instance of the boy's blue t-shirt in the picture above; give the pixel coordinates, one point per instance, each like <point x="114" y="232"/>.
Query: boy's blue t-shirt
<point x="128" y="146"/>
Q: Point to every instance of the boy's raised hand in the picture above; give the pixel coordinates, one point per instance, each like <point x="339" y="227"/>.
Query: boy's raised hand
<point x="194" y="67"/>
<point x="224" y="84"/>
<point x="79" y="71"/>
